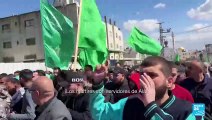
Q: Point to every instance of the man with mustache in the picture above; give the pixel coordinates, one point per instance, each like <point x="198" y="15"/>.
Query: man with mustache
<point x="156" y="102"/>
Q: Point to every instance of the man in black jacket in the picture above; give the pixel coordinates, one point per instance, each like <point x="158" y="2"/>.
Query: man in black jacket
<point x="199" y="86"/>
<point x="119" y="84"/>
<point x="76" y="98"/>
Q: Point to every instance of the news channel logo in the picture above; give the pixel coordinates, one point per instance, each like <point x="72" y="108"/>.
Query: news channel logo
<point x="198" y="109"/>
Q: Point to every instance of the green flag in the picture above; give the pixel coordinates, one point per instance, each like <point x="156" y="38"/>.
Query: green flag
<point x="144" y="44"/>
<point x="177" y="58"/>
<point x="58" y="36"/>
<point x="92" y="40"/>
<point x="90" y="57"/>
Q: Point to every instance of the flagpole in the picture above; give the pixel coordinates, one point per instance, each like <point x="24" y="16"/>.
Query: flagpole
<point x="77" y="38"/>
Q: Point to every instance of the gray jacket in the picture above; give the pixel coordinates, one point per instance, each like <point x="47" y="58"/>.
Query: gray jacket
<point x="28" y="108"/>
<point x="54" y="110"/>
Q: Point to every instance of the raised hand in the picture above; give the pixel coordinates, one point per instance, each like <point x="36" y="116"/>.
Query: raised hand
<point x="148" y="87"/>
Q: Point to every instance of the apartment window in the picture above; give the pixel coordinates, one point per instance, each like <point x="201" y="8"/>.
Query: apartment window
<point x="117" y="46"/>
<point x="29" y="23"/>
<point x="119" y="37"/>
<point x="5" y="27"/>
<point x="8" y="59"/>
<point x="120" y="47"/>
<point x="111" y="34"/>
<point x="116" y="35"/>
<point x="111" y="45"/>
<point x="30" y="41"/>
<point x="7" y="45"/>
<point x="32" y="56"/>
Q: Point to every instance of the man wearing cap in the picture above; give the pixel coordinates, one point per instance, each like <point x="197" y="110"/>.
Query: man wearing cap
<point x="119" y="84"/>
<point x="76" y="98"/>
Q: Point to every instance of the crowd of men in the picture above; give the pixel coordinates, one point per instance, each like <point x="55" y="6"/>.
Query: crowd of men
<point x="156" y="89"/>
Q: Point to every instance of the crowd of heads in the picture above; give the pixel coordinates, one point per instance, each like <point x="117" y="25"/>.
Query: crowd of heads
<point x="44" y="84"/>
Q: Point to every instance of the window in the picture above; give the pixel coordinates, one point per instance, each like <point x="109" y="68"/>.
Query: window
<point x="116" y="35"/>
<point x="5" y="27"/>
<point x="117" y="46"/>
<point x="29" y="23"/>
<point x="7" y="45"/>
<point x="120" y="47"/>
<point x="30" y="41"/>
<point x="32" y="56"/>
<point x="119" y="37"/>
<point x="8" y="59"/>
<point x="111" y="45"/>
<point x="111" y="34"/>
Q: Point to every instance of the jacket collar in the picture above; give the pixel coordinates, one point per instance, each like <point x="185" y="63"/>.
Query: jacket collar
<point x="169" y="101"/>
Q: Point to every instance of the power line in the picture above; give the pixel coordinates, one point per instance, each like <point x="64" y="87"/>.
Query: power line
<point x="193" y="30"/>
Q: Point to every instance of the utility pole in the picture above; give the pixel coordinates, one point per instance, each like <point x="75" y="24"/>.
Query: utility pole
<point x="161" y="31"/>
<point x="173" y="41"/>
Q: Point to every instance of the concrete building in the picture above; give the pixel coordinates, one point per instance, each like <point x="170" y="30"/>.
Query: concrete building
<point x="21" y="36"/>
<point x="115" y="42"/>
<point x="131" y="57"/>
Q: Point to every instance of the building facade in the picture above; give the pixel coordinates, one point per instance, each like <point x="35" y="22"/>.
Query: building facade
<point x="21" y="35"/>
<point x="115" y="42"/>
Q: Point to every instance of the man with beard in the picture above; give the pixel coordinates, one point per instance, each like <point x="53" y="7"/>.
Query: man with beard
<point x="200" y="86"/>
<point x="155" y="101"/>
<point x="176" y="89"/>
<point x="16" y="91"/>
<point x="28" y="106"/>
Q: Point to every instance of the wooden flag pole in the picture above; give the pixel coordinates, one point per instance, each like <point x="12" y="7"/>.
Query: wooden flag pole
<point x="77" y="38"/>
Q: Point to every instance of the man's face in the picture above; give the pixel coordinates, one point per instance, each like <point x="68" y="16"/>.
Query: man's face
<point x="196" y="71"/>
<point x="88" y="71"/>
<point x="159" y="79"/>
<point x="72" y="89"/>
<point x="35" y="75"/>
<point x="11" y="87"/>
<point x="174" y="74"/>
<point x="56" y="72"/>
<point x="3" y="80"/>
<point x="117" y="77"/>
<point x="110" y="75"/>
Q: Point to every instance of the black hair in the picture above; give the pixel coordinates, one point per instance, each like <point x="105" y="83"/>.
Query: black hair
<point x="26" y="74"/>
<point x="41" y="72"/>
<point x="89" y="66"/>
<point x="57" y="68"/>
<point x="17" y="72"/>
<point x="14" y="81"/>
<point x="3" y="75"/>
<point x="156" y="60"/>
<point x="173" y="65"/>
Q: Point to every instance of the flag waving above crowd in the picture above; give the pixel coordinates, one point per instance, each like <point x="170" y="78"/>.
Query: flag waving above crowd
<point x="92" y="36"/>
<point x="144" y="44"/>
<point x="58" y="36"/>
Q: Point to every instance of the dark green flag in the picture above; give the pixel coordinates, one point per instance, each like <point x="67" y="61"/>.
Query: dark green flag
<point x="92" y="40"/>
<point x="144" y="44"/>
<point x="58" y="36"/>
